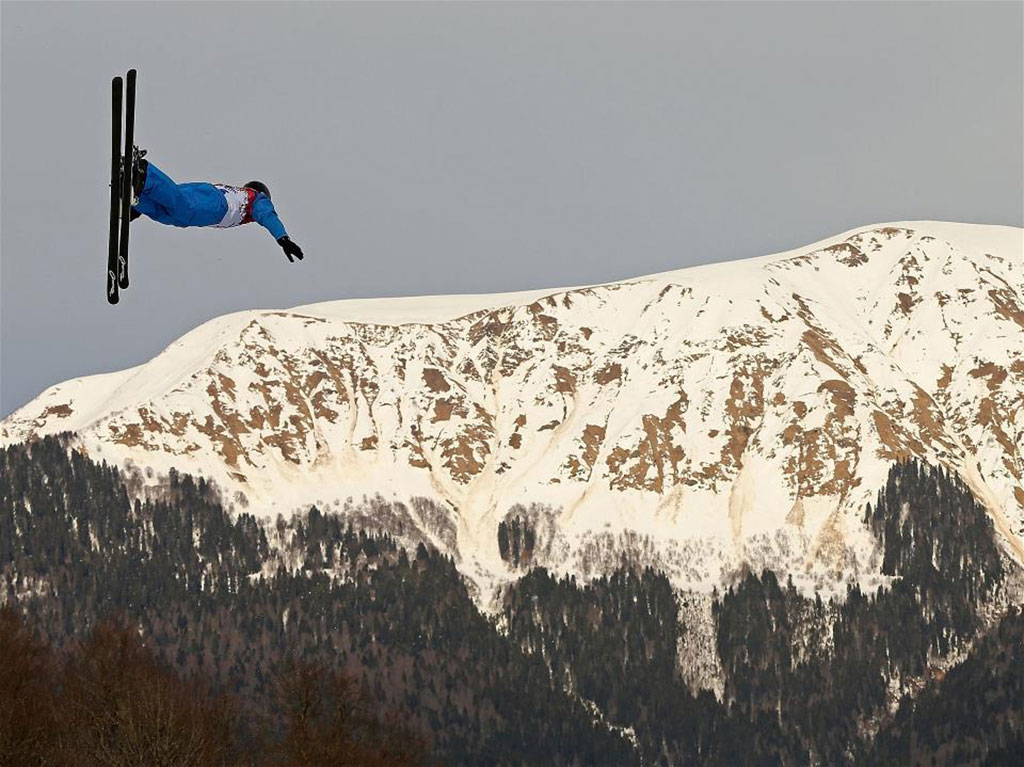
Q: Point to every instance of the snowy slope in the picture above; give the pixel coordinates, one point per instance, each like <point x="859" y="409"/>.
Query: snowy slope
<point x="696" y="419"/>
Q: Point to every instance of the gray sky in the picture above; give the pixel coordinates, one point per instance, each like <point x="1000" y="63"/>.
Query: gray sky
<point x="451" y="148"/>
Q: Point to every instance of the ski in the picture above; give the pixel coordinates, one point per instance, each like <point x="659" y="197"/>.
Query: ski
<point x="127" y="192"/>
<point x="115" y="189"/>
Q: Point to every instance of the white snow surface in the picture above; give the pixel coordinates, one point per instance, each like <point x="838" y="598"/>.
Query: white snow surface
<point x="695" y="420"/>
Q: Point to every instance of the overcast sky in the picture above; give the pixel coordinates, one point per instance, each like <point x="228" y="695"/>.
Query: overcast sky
<point x="451" y="148"/>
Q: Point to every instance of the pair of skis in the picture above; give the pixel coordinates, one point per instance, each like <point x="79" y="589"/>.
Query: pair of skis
<point x="121" y="192"/>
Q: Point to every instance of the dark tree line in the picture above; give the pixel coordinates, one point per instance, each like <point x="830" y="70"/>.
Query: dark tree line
<point x="214" y="602"/>
<point x="939" y="543"/>
<point x="614" y="641"/>
<point x="787" y="700"/>
<point x="577" y="674"/>
<point x="517" y="538"/>
<point x="972" y="715"/>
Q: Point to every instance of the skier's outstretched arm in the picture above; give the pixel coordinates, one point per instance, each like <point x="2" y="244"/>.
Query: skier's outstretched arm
<point x="263" y="213"/>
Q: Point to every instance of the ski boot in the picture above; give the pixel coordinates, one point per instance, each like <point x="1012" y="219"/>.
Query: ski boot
<point x="139" y="167"/>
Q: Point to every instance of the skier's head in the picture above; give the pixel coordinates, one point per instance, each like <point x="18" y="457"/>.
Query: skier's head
<point x="260" y="187"/>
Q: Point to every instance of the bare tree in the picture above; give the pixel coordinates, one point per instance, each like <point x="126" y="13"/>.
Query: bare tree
<point x="331" y="722"/>
<point x="27" y="706"/>
<point x="123" y="708"/>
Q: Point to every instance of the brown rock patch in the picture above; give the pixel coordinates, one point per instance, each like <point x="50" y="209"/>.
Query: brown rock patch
<point x="548" y="326"/>
<point x="946" y="378"/>
<point x="906" y="302"/>
<point x="892" y="231"/>
<point x="893" y="446"/>
<point x="843" y="397"/>
<point x="443" y="409"/>
<point x="822" y="346"/>
<point x="57" y="411"/>
<point x="464" y="456"/>
<point x="130" y="435"/>
<point x="227" y="385"/>
<point x="435" y="380"/>
<point x="991" y="417"/>
<point x="565" y="382"/>
<point x="607" y="374"/>
<point x="995" y="375"/>
<point x="1005" y="302"/>
<point x="928" y="419"/>
<point x="591" y="439"/>
<point x="653" y="464"/>
<point x="848" y="254"/>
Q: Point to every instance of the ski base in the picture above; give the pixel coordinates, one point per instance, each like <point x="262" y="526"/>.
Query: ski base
<point x="122" y="157"/>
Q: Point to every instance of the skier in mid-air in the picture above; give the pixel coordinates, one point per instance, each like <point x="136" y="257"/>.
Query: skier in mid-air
<point x="204" y="204"/>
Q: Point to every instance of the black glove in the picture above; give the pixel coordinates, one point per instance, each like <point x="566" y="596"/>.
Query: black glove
<point x="290" y="248"/>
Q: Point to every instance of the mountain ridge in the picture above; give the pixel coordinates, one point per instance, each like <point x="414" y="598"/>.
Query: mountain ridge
<point x="738" y="412"/>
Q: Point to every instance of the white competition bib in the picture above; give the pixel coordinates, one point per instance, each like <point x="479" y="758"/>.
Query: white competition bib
<point x="239" y="202"/>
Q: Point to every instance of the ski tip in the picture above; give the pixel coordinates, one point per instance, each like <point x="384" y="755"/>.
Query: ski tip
<point x="112" y="296"/>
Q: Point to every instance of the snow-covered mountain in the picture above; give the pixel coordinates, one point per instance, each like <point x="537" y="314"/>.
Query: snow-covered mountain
<point x="693" y="420"/>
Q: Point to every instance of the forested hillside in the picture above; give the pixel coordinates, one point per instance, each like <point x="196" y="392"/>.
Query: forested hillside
<point x="567" y="672"/>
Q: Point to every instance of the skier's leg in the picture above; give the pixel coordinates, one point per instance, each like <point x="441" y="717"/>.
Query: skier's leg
<point x="159" y="188"/>
<point x="163" y="199"/>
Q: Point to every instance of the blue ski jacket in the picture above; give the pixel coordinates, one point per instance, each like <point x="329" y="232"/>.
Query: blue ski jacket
<point x="203" y="204"/>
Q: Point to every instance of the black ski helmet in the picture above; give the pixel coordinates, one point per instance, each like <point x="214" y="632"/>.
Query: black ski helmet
<point x="259" y="186"/>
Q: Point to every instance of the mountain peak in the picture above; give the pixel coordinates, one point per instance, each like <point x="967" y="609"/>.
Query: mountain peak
<point x="740" y="412"/>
